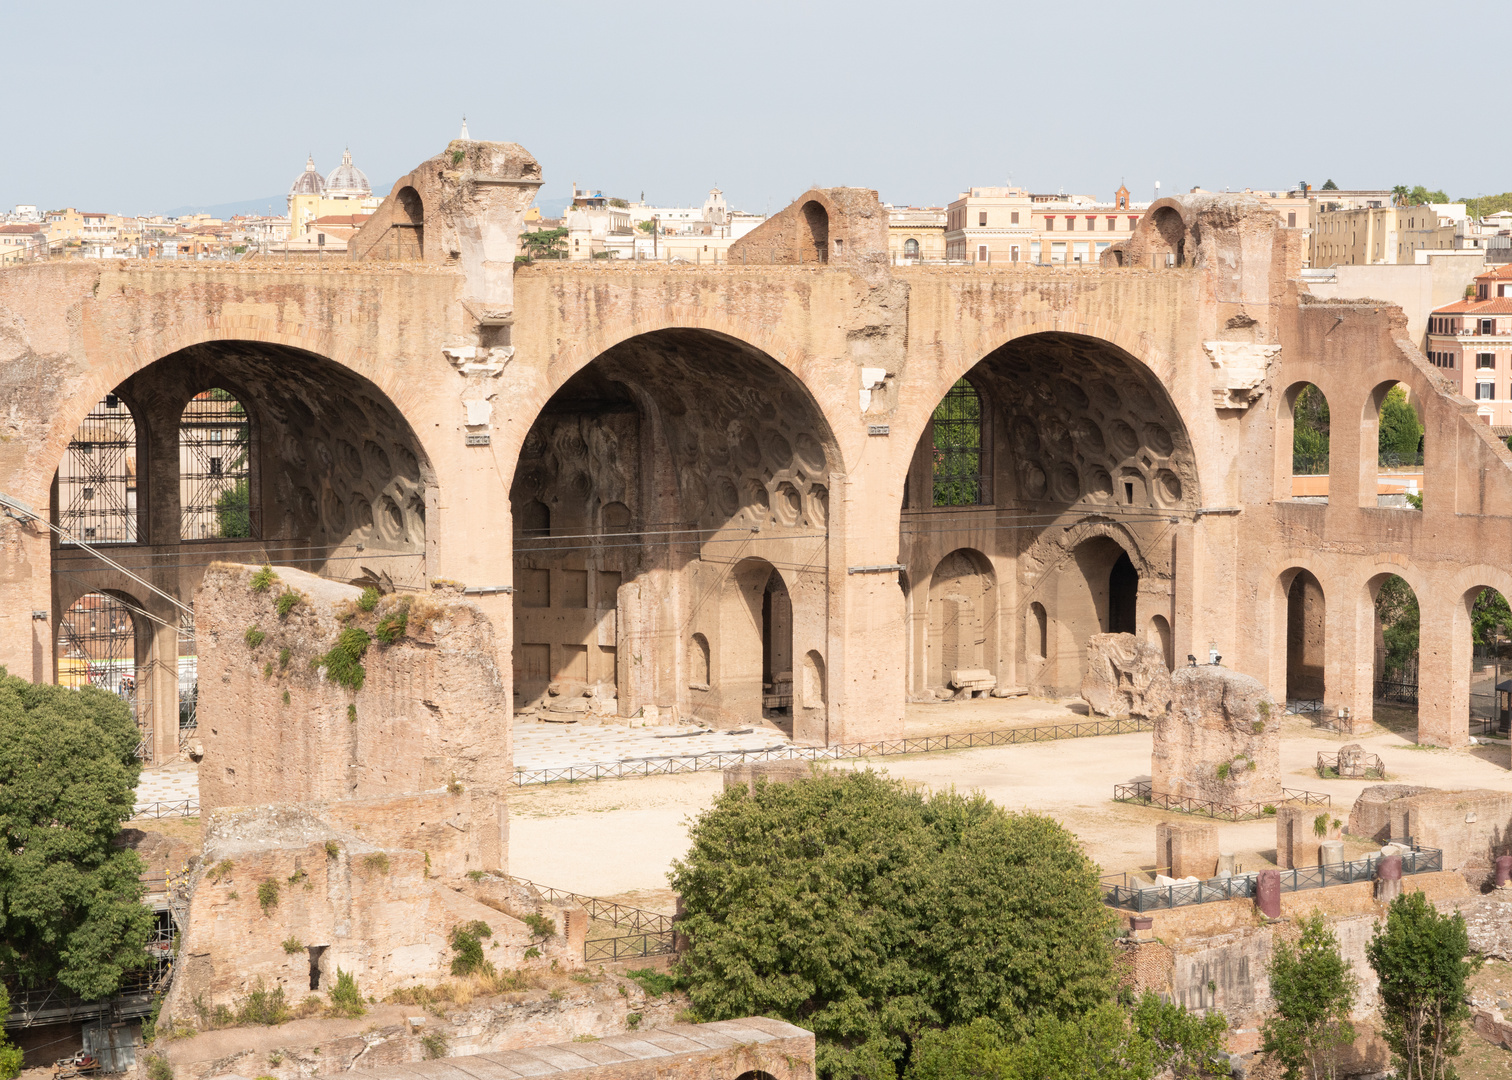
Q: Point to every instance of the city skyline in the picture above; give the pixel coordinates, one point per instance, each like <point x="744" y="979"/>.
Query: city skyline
<point x="792" y="96"/>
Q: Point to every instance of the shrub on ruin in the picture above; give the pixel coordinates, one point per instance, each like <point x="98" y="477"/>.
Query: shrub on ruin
<point x="467" y="948"/>
<point x="284" y="656"/>
<point x="346" y="998"/>
<point x="391" y="627"/>
<point x="267" y="895"/>
<point x="263" y="580"/>
<point x="656" y="983"/>
<point x="343" y="663"/>
<point x="286" y="602"/>
<point x="292" y="945"/>
<point x="1314" y="992"/>
<point x="254" y="637"/>
<point x="435" y="1044"/>
<point x="71" y="898"/>
<point x="1419" y="956"/>
<point x="158" y="1068"/>
<point x="540" y="925"/>
<point x="369" y="599"/>
<point x="262" y="1006"/>
<point x="865" y="911"/>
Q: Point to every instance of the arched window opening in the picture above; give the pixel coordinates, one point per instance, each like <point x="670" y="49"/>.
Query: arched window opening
<point x="1159" y="635"/>
<point x="409" y="226"/>
<point x="1305" y="645"/>
<point x="910" y="248"/>
<point x="1399" y="473"/>
<point x="616" y="517"/>
<point x="815" y="246"/>
<point x="1491" y="664"/>
<point x="698" y="662"/>
<point x="97" y="646"/>
<point x="1396" y="654"/>
<point x="215" y="468"/>
<point x="815" y="691"/>
<point x="1123" y="596"/>
<point x="1039" y="632"/>
<point x="1309" y="411"/>
<point x="960" y="473"/>
<point x="97" y="481"/>
<point x="533" y="520"/>
<point x="776" y="648"/>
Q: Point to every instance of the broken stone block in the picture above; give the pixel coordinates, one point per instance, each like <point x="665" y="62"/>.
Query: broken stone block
<point x="1125" y="677"/>
<point x="1220" y="740"/>
<point x="973" y="681"/>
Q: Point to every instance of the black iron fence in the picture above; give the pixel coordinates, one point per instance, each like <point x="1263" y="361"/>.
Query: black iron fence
<point x="180" y="808"/>
<point x="673" y="764"/>
<point x="650" y="934"/>
<point x="1354" y="765"/>
<point x="1138" y="896"/>
<point x="629" y="947"/>
<point x="1141" y="793"/>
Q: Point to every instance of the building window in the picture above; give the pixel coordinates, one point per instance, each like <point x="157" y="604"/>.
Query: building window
<point x="1013" y="218"/>
<point x="1049" y="224"/>
<point x="1291" y="220"/>
<point x="1013" y="253"/>
<point x="1133" y="221"/>
<point x="981" y="253"/>
<point x="910" y="248"/>
<point x="1080" y="251"/>
<point x="982" y="219"/>
<point x="1058" y="252"/>
<point x="1485" y="391"/>
<point x="1034" y="251"/>
<point x="1488" y="326"/>
<point x="1485" y="361"/>
<point x="1112" y="223"/>
<point x="1070" y="224"/>
<point x="959" y="479"/>
<point x="215" y="456"/>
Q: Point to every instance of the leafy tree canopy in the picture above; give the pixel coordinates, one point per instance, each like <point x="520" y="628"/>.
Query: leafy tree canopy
<point x="1420" y="958"/>
<point x="70" y="901"/>
<point x="1490" y="617"/>
<point x="1314" y="992"/>
<point x="544" y="241"/>
<point x="1397" y="608"/>
<point x="1400" y="430"/>
<point x="1310" y="432"/>
<point x="1482" y="205"/>
<point x="1110" y="1042"/>
<point x="1329" y="185"/>
<point x="864" y="911"/>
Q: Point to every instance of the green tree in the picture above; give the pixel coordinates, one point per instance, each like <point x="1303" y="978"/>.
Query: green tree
<point x="10" y="1055"/>
<point x="1310" y="432"/>
<point x="1397" y="609"/>
<point x="1490" y="618"/>
<point x="858" y="908"/>
<point x="1421" y="195"/>
<point x="233" y="510"/>
<point x="1329" y="185"/>
<point x="70" y="901"/>
<point x="647" y="226"/>
<point x="957" y="436"/>
<point x="1400" y="431"/>
<point x="1419" y="956"/>
<point x="544" y="243"/>
<point x="1108" y="1042"/>
<point x="1314" y="992"/>
<point x="1399" y="195"/>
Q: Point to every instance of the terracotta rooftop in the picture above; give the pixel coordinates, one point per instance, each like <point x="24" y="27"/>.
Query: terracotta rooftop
<point x="1500" y="305"/>
<point x="342" y="219"/>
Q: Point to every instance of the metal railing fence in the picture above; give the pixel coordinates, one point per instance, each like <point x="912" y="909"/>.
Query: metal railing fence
<point x="629" y="947"/>
<point x="673" y="764"/>
<point x="1141" y="792"/>
<point x="620" y="916"/>
<point x="1352" y="766"/>
<point x="1139" y="897"/>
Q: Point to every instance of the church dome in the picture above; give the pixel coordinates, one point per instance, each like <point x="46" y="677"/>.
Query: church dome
<point x="347" y="180"/>
<point x="308" y="182"/>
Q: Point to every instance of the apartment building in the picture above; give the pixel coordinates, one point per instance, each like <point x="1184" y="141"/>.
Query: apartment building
<point x="915" y="234"/>
<point x="1471" y="343"/>
<point x="1010" y="225"/>
<point x="1374" y="234"/>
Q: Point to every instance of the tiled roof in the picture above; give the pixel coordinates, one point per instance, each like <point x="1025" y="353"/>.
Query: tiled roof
<point x="1501" y="305"/>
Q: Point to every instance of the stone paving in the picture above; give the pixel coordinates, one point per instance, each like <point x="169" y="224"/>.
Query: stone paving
<point x="536" y="746"/>
<point x="555" y="746"/>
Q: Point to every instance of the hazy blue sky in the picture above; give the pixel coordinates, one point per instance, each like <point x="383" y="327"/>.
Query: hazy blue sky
<point x="141" y="107"/>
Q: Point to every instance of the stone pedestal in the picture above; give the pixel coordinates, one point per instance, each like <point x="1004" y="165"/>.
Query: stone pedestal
<point x="1188" y="848"/>
<point x="1297" y="841"/>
